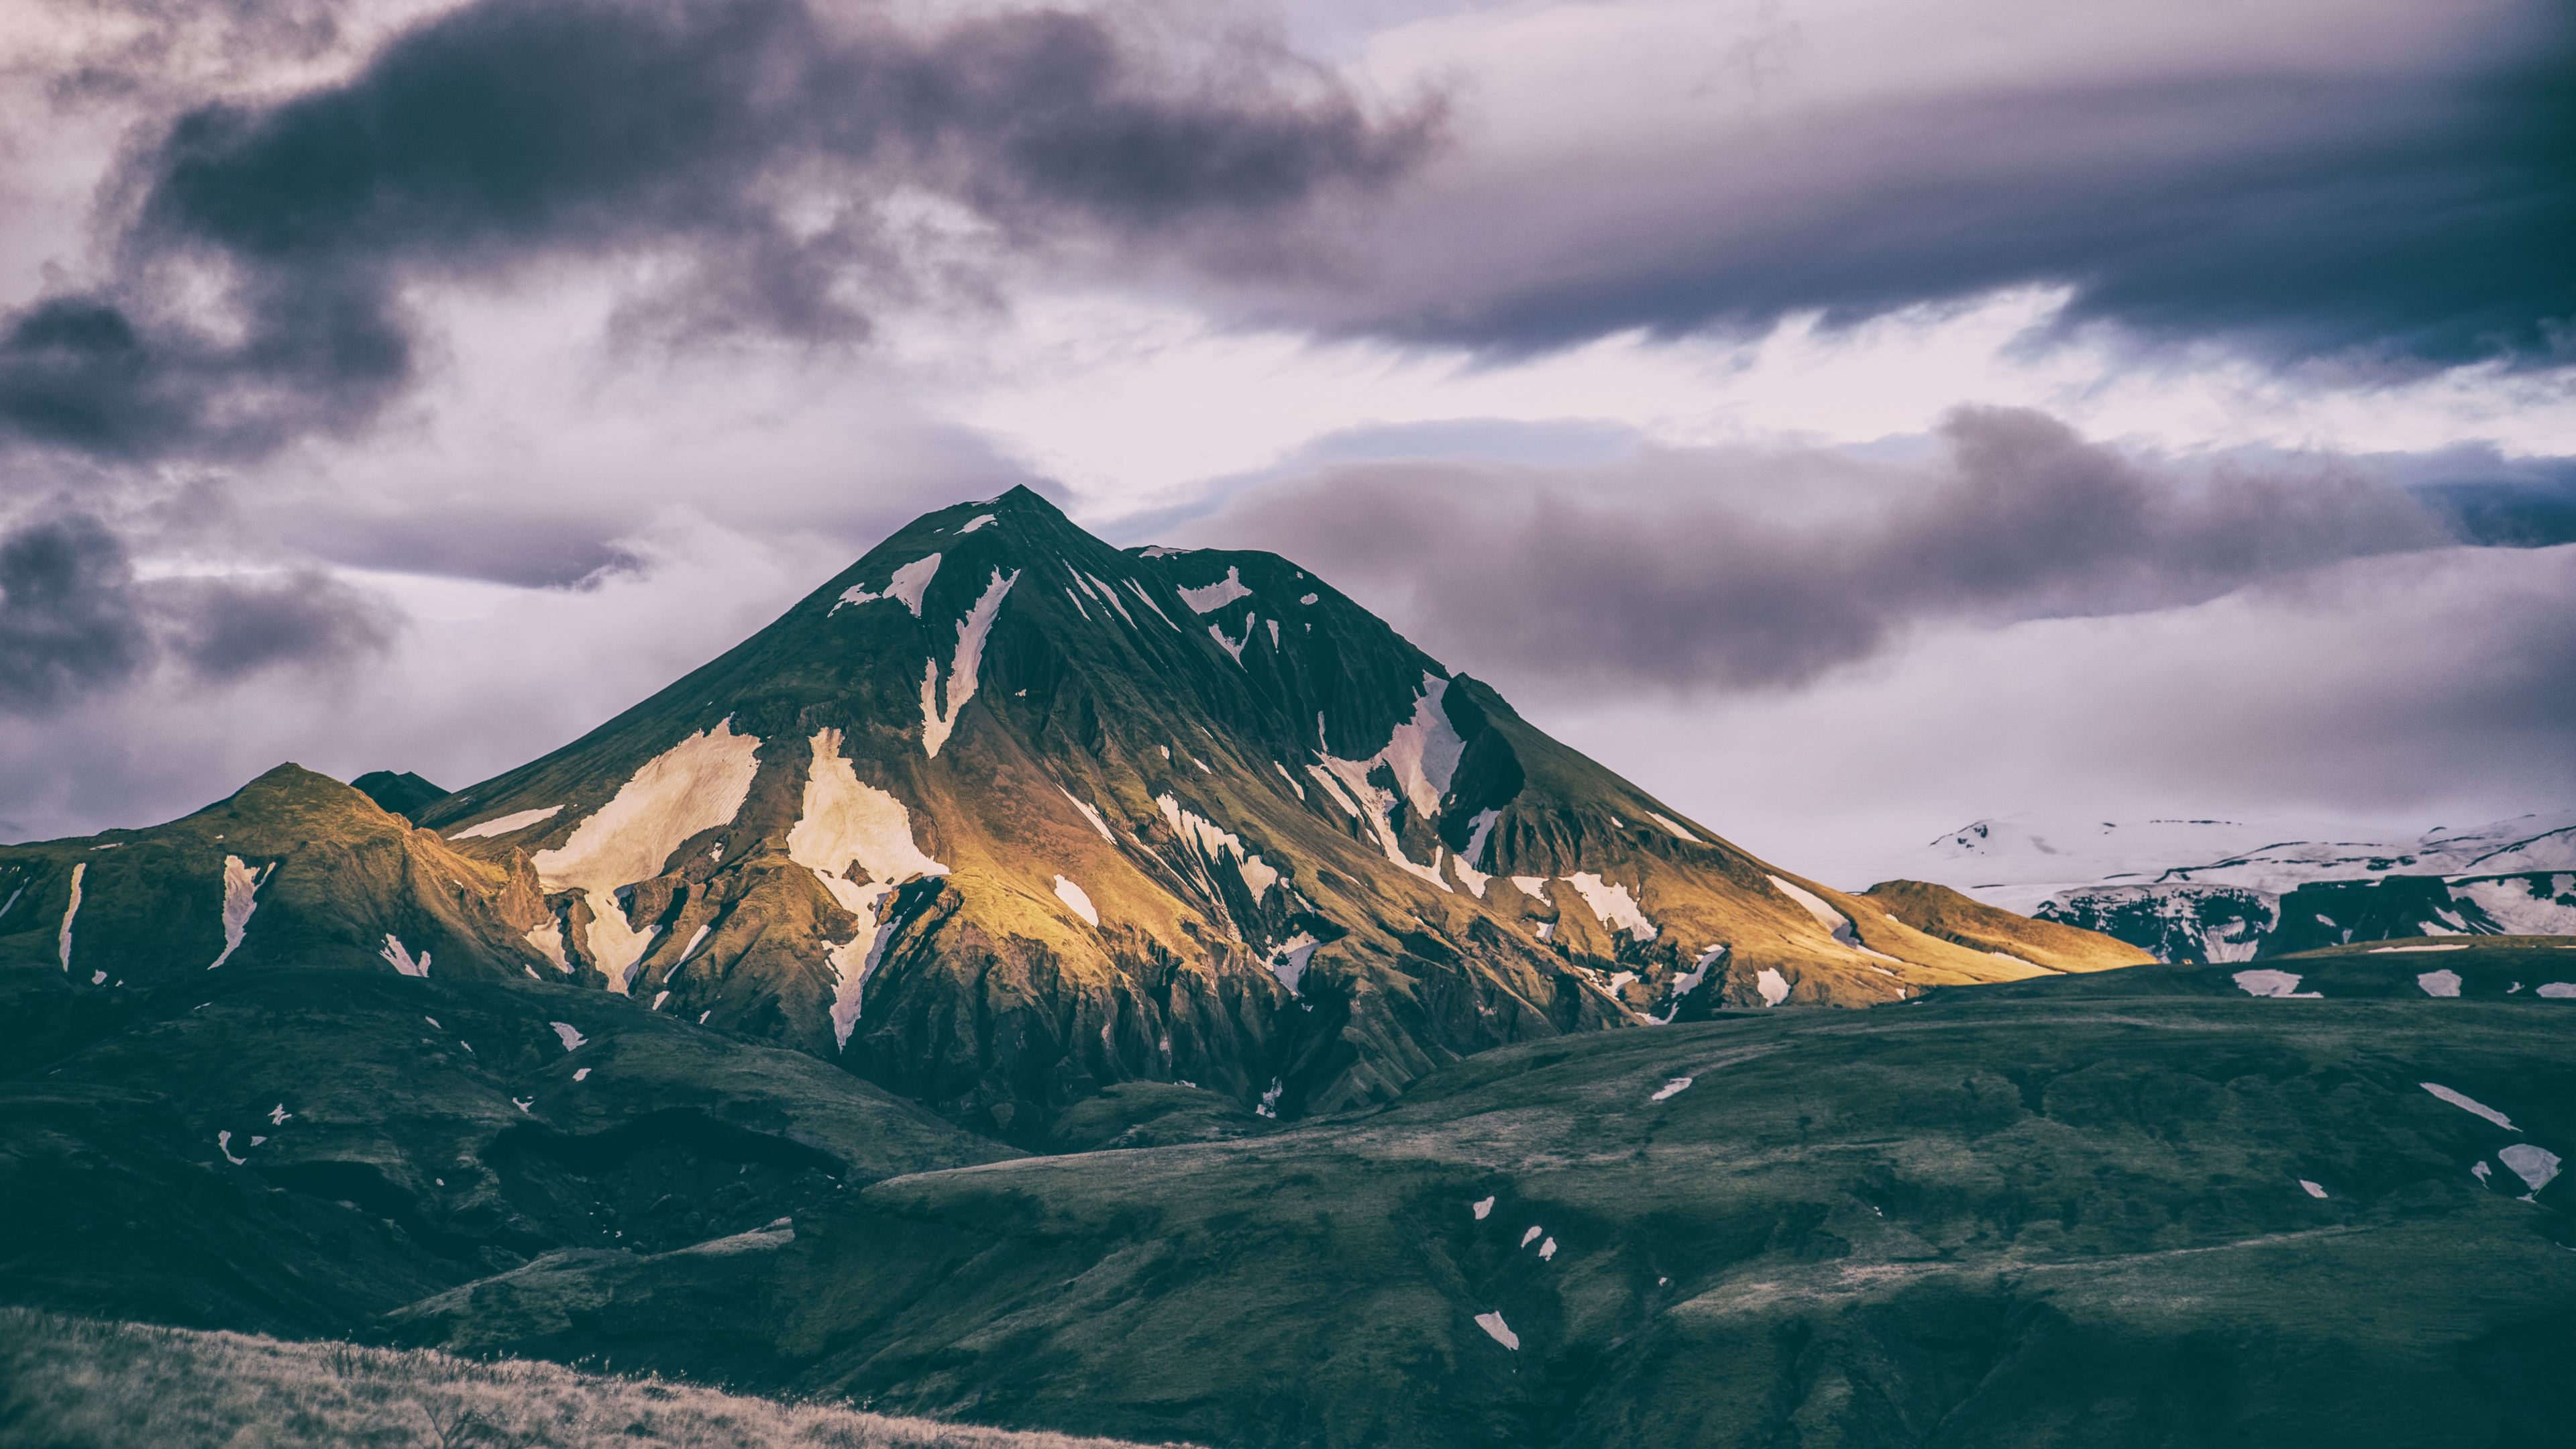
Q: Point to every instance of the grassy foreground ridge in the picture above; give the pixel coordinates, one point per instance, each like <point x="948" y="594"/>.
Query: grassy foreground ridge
<point x="68" y="1383"/>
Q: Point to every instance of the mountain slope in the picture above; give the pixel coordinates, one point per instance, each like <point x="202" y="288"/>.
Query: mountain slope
<point x="288" y="1063"/>
<point x="2154" y="1206"/>
<point x="1003" y="814"/>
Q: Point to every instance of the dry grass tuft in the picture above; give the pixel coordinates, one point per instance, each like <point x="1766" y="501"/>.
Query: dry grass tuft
<point x="68" y="1383"/>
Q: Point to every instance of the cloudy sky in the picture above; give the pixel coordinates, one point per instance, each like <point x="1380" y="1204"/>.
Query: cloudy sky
<point x="1848" y="419"/>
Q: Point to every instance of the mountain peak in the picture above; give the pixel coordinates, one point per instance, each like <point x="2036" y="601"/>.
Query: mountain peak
<point x="1003" y="814"/>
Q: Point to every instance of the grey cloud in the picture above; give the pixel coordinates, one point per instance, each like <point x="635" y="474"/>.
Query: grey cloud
<point x="2397" y="691"/>
<point x="226" y="628"/>
<point x="2490" y="499"/>
<point x="533" y="548"/>
<point x="76" y="620"/>
<point x="743" y="145"/>
<point x="1698" y="573"/>
<point x="2403" y="212"/>
<point x="68" y="620"/>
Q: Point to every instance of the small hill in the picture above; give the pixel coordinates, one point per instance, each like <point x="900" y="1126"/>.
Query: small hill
<point x="1937" y="910"/>
<point x="404" y="794"/>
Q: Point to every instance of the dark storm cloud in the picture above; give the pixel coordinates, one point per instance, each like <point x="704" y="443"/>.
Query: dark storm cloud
<point x="2491" y="499"/>
<point x="2407" y="212"/>
<point x="76" y="620"/>
<point x="226" y="628"/>
<point x="742" y="144"/>
<point x="1697" y="577"/>
<point x="68" y="618"/>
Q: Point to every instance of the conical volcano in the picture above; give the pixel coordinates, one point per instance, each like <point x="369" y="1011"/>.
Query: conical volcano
<point x="1003" y="814"/>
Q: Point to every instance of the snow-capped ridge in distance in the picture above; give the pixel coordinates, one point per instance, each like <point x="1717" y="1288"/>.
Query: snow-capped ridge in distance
<point x="2215" y="889"/>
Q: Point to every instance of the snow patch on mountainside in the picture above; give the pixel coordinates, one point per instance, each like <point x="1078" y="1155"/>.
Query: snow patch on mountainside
<point x="1422" y="753"/>
<point x="241" y="897"/>
<point x="1148" y="600"/>
<point x="2467" y="1103"/>
<point x="1215" y="843"/>
<point x="1233" y="647"/>
<point x="2282" y="984"/>
<point x="2518" y="903"/>
<point x="1676" y="827"/>
<point x="1288" y="959"/>
<point x="842" y="822"/>
<point x="1480" y="828"/>
<point x="1820" y="908"/>
<point x="1612" y="905"/>
<point x="1333" y="790"/>
<point x="1075" y="901"/>
<point x="1089" y="814"/>
<point x="505" y="824"/>
<point x="696" y="785"/>
<point x="1107" y="595"/>
<point x="2536" y="1166"/>
<point x="1689" y="981"/>
<point x="936" y="723"/>
<point x="548" y="941"/>
<point x="71" y="911"/>
<point x="1424" y="750"/>
<point x="1215" y="596"/>
<point x="402" y="960"/>
<point x="905" y="587"/>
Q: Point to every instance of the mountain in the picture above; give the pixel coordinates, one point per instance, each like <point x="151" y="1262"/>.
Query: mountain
<point x="1003" y="815"/>
<point x="404" y="793"/>
<point x="1940" y="911"/>
<point x="2223" y="890"/>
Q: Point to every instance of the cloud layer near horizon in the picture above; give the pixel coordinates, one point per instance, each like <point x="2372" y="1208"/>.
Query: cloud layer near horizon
<point x="1736" y="569"/>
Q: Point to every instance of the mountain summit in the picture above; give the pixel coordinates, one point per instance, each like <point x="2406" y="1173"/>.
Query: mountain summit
<point x="1003" y="814"/>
